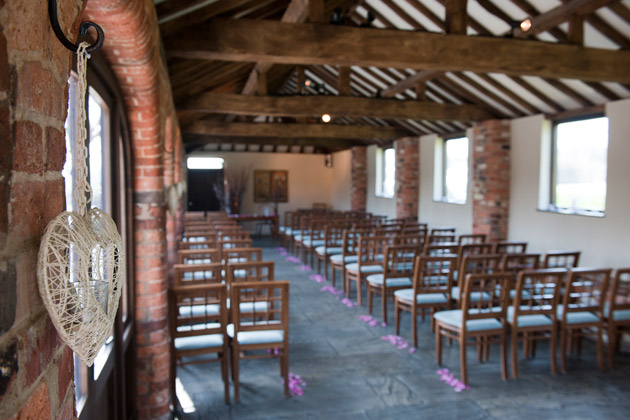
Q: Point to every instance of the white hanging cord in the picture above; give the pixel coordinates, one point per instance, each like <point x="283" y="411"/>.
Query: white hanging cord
<point x="82" y="191"/>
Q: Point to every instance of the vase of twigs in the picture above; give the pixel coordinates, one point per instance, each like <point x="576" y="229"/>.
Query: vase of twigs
<point x="235" y="184"/>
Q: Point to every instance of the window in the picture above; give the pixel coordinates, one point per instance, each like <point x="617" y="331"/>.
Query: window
<point x="578" y="166"/>
<point x="451" y="170"/>
<point x="385" y="172"/>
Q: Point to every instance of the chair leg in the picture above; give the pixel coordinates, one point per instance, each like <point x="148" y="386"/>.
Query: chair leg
<point x="600" y="348"/>
<point x="414" y="326"/>
<point x="225" y="375"/>
<point x="504" y="374"/>
<point x="359" y="290"/>
<point x="319" y="266"/>
<point x="463" y="370"/>
<point x="612" y="345"/>
<point x="479" y="349"/>
<point x="438" y="344"/>
<point x="332" y="275"/>
<point x="370" y="298"/>
<point x="552" y="350"/>
<point x="514" y="352"/>
<point x="284" y="363"/>
<point x="579" y="345"/>
<point x="563" y="349"/>
<point x="397" y="316"/>
<point x="384" y="304"/>
<point x="235" y="377"/>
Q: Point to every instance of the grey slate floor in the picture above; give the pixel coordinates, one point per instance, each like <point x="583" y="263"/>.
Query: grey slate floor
<point x="351" y="373"/>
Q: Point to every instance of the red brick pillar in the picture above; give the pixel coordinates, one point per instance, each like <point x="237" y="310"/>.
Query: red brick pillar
<point x="407" y="177"/>
<point x="181" y="184"/>
<point x="358" y="201"/>
<point x="36" y="367"/>
<point x="132" y="47"/>
<point x="491" y="178"/>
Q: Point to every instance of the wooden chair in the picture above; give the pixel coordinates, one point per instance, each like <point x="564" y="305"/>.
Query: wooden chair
<point x="482" y="320"/>
<point x="472" y="238"/>
<point x="348" y="255"/>
<point x="197" y="324"/>
<point x="370" y="253"/>
<point x="617" y="311"/>
<point x="434" y="239"/>
<point x="398" y="263"/>
<point x="249" y="271"/>
<point x="561" y="259"/>
<point x="514" y="263"/>
<point x="417" y="240"/>
<point x="434" y="250"/>
<point x="317" y="238"/>
<point x="191" y="274"/>
<point x="198" y="245"/>
<point x="432" y="283"/>
<point x="473" y="249"/>
<point x="509" y="247"/>
<point x="474" y="264"/>
<point x="228" y="244"/>
<point x="582" y="310"/>
<point x="333" y="239"/>
<point x="244" y="254"/>
<point x="260" y="329"/>
<point x="198" y="256"/>
<point x="533" y="312"/>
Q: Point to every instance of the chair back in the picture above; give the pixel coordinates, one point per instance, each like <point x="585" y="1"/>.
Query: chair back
<point x="249" y="271"/>
<point x="474" y="249"/>
<point x="514" y="263"/>
<point x="561" y="259"/>
<point x="198" y="256"/>
<point x="442" y="238"/>
<point x="190" y="274"/>
<point x="242" y="254"/>
<point x="508" y="247"/>
<point x="434" y="274"/>
<point x="399" y="261"/>
<point x="537" y="292"/>
<point x="472" y="238"/>
<point x="197" y="310"/>
<point x="585" y="291"/>
<point x="433" y="250"/>
<point x="198" y="244"/>
<point x="270" y="301"/>
<point x="486" y="287"/>
<point x="234" y="243"/>
<point x="619" y="293"/>
<point x="370" y="249"/>
<point x="476" y="264"/>
<point x="417" y="240"/>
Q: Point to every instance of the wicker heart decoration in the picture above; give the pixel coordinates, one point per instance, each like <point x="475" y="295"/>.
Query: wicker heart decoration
<point x="80" y="270"/>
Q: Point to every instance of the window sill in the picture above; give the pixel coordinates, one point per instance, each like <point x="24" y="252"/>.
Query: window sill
<point x="572" y="212"/>
<point x="458" y="203"/>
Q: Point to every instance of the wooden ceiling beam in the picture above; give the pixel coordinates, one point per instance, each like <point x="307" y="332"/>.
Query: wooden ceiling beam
<point x="335" y="105"/>
<point x="189" y="139"/>
<point x="172" y="27"/>
<point x="333" y="131"/>
<point x="560" y="14"/>
<point x="307" y="43"/>
<point x="411" y="82"/>
<point x="456" y="16"/>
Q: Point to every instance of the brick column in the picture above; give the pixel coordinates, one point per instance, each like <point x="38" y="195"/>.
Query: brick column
<point x="407" y="177"/>
<point x="358" y="201"/>
<point x="36" y="366"/>
<point x="133" y="50"/>
<point x="491" y="178"/>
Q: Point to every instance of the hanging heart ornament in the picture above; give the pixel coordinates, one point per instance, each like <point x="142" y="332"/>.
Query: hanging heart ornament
<point x="80" y="272"/>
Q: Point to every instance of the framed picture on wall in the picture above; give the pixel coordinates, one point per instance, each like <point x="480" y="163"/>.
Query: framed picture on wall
<point x="279" y="186"/>
<point x="262" y="186"/>
<point x="271" y="186"/>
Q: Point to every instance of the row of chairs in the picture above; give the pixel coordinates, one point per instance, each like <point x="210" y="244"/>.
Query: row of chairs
<point x="226" y="301"/>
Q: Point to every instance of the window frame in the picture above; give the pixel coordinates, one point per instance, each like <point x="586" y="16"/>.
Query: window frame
<point x="549" y="202"/>
<point x="439" y="174"/>
<point x="379" y="180"/>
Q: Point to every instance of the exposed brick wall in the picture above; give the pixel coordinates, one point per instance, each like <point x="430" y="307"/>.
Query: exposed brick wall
<point x="133" y="50"/>
<point x="407" y="176"/>
<point x="491" y="178"/>
<point x="358" y="201"/>
<point x="36" y="367"/>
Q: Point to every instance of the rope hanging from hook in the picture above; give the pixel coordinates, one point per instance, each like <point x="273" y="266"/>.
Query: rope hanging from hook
<point x="54" y="22"/>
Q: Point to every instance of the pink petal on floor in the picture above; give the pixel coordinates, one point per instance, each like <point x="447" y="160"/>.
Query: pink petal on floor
<point x="412" y="350"/>
<point x="383" y="324"/>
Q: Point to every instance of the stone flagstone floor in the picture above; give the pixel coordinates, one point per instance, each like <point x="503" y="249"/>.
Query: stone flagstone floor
<point x="352" y="372"/>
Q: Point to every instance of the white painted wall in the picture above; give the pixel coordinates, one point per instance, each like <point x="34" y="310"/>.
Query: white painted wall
<point x="602" y="240"/>
<point x="437" y="213"/>
<point x="310" y="181"/>
<point x="341" y="194"/>
<point x="377" y="205"/>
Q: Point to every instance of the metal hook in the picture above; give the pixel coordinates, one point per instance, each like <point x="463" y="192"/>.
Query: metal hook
<point x="54" y="22"/>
